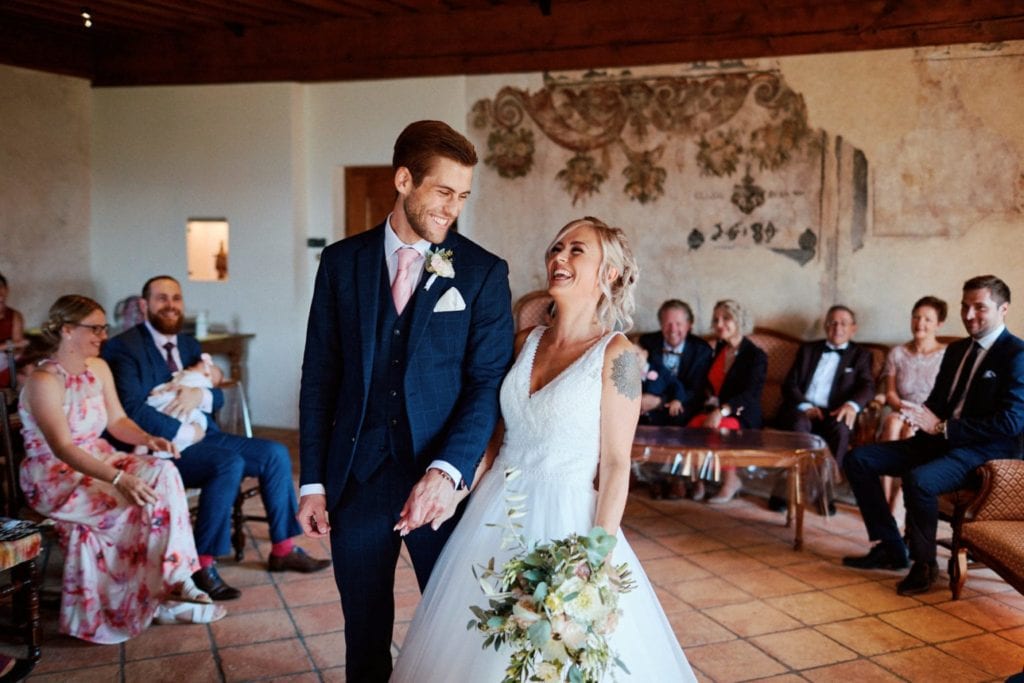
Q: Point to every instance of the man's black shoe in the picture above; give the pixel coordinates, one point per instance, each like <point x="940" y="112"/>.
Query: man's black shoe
<point x="209" y="581"/>
<point x="777" y="504"/>
<point x="919" y="579"/>
<point x="879" y="557"/>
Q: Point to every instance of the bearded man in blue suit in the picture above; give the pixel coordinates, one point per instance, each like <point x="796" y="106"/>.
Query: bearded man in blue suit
<point x="410" y="334"/>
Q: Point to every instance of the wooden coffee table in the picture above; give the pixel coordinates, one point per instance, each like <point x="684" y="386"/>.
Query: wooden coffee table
<point x="701" y="453"/>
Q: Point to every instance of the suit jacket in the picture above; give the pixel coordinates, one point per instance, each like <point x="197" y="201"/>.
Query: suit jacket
<point x="993" y="411"/>
<point x="138" y="366"/>
<point x="853" y="380"/>
<point x="454" y="366"/>
<point x="692" y="372"/>
<point x="660" y="382"/>
<point x="744" y="383"/>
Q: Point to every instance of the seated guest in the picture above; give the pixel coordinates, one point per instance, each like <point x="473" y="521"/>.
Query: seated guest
<point x="828" y="385"/>
<point x="12" y="331"/>
<point x="975" y="413"/>
<point x="734" y="385"/>
<point x="123" y="519"/>
<point x="683" y="354"/>
<point x="656" y="382"/>
<point x="146" y="356"/>
<point x="909" y="375"/>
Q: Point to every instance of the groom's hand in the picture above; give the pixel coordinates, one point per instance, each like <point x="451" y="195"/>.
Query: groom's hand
<point x="431" y="502"/>
<point x="312" y="515"/>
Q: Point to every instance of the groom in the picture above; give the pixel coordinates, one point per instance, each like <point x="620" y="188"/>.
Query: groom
<point x="409" y="336"/>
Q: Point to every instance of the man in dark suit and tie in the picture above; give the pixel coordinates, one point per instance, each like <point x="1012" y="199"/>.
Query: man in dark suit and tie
<point x="410" y="334"/>
<point x="143" y="357"/>
<point x="682" y="353"/>
<point x="974" y="413"/>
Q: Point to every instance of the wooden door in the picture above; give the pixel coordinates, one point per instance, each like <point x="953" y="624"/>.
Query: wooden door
<point x="369" y="196"/>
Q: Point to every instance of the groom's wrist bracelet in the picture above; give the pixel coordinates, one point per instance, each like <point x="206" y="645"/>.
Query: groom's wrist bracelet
<point x="447" y="476"/>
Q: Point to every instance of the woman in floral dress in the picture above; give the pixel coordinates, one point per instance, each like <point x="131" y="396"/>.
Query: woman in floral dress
<point x="123" y="519"/>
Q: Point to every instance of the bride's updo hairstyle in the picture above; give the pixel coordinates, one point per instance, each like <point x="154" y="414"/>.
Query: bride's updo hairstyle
<point x="70" y="308"/>
<point x="616" y="305"/>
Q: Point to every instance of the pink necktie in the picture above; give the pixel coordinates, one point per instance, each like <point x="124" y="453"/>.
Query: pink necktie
<point x="401" y="288"/>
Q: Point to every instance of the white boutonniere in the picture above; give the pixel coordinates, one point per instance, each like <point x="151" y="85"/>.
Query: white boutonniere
<point x="439" y="264"/>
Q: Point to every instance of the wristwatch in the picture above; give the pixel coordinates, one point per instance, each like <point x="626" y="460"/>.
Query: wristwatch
<point x="941" y="429"/>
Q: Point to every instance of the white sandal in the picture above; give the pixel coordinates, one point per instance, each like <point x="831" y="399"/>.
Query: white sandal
<point x="173" y="612"/>
<point x="188" y="591"/>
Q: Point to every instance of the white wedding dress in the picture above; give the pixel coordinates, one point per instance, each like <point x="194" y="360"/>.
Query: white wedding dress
<point x="553" y="438"/>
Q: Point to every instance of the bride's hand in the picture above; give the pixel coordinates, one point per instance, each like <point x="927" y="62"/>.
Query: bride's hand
<point x="432" y="501"/>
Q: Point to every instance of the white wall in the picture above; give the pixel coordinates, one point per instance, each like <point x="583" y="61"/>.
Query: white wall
<point x="45" y="125"/>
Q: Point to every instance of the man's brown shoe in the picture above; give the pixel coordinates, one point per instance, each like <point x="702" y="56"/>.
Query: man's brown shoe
<point x="296" y="561"/>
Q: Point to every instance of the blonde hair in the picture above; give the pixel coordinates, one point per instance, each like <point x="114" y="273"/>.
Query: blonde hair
<point x="744" y="321"/>
<point x="70" y="308"/>
<point x="616" y="305"/>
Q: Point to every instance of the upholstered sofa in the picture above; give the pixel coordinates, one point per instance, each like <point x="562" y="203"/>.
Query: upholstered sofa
<point x="993" y="528"/>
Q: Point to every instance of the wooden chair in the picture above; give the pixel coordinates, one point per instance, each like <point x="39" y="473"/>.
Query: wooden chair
<point x="233" y="417"/>
<point x="533" y="308"/>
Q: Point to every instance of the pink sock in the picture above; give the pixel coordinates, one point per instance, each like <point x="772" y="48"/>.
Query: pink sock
<point x="206" y="561"/>
<point x="282" y="548"/>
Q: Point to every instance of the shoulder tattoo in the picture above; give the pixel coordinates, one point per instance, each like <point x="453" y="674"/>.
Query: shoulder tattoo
<point x="626" y="374"/>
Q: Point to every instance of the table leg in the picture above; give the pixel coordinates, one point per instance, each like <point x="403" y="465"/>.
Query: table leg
<point x="796" y="493"/>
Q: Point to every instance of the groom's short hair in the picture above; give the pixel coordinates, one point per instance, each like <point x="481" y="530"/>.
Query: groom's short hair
<point x="421" y="141"/>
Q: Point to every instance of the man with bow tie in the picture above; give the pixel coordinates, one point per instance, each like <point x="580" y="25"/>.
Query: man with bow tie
<point x="684" y="355"/>
<point x="974" y="413"/>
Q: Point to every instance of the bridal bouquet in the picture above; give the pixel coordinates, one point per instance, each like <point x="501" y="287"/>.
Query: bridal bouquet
<point x="554" y="603"/>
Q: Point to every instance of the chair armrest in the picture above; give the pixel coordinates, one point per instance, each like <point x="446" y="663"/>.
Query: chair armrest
<point x="1001" y="496"/>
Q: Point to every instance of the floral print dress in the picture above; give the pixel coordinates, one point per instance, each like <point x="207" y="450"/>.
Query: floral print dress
<point x="121" y="559"/>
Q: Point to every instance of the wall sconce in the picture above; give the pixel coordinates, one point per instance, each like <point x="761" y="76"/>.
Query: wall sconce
<point x="206" y="242"/>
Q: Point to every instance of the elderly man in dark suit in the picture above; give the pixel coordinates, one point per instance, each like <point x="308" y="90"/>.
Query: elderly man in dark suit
<point x="410" y="334"/>
<point x="829" y="384"/>
<point x="974" y="413"/>
<point x="683" y="354"/>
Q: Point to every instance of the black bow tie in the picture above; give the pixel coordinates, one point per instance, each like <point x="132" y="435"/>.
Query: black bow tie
<point x="829" y="349"/>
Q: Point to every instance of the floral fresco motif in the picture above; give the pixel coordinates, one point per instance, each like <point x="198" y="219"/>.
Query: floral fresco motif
<point x="732" y="118"/>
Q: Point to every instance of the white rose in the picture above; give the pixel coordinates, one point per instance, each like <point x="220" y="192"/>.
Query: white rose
<point x="587" y="606"/>
<point x="546" y="671"/>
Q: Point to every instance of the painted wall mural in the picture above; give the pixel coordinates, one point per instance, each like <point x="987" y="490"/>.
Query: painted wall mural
<point x="733" y="142"/>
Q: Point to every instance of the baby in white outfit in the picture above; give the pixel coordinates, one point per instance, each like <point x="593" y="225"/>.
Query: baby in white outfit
<point x="203" y="375"/>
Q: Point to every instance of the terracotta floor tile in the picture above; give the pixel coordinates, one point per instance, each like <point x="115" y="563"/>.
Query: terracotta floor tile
<point x="693" y="628"/>
<point x="61" y="653"/>
<point x="782" y="678"/>
<point x="250" y="572"/>
<point x="710" y="592"/>
<point x="263" y="660"/>
<point x="691" y="543"/>
<point x="723" y="562"/>
<point x="405" y="605"/>
<point x="860" y="670"/>
<point x="988" y="652"/>
<point x="308" y="677"/>
<point x="655" y="526"/>
<point x="312" y="620"/>
<point x="930" y="624"/>
<point x="743" y="536"/>
<point x="1011" y="598"/>
<point x="752" y="618"/>
<point x="312" y="592"/>
<point x="193" y="666"/>
<point x="814" y="608"/>
<point x="109" y="673"/>
<point x="668" y="570"/>
<point x="873" y="597"/>
<point x="869" y="636"/>
<point x="986" y="612"/>
<point x="767" y="583"/>
<point x="638" y="505"/>
<point x="778" y="554"/>
<point x="405" y="580"/>
<point x="327" y="650"/>
<point x="255" y="599"/>
<point x="669" y="602"/>
<point x="649" y="549"/>
<point x="733" y="661"/>
<point x="1014" y="634"/>
<point x="257" y="627"/>
<point x="833" y="546"/>
<point x="824" y="574"/>
<point x="929" y="664"/>
<point x="158" y="641"/>
<point x="335" y="675"/>
<point x="803" y="649"/>
<point x="400" y="631"/>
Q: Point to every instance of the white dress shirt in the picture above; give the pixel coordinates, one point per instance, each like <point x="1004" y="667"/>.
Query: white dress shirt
<point x="985" y="343"/>
<point x="820" y="388"/>
<point x="391" y="246"/>
<point x="188" y="432"/>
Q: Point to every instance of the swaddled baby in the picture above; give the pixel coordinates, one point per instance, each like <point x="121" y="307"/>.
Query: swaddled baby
<point x="203" y="375"/>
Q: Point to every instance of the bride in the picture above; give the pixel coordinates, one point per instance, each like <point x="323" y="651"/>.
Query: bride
<point x="570" y="405"/>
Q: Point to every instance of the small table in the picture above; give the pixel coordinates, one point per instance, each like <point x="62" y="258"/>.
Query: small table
<point x="702" y="452"/>
<point x="234" y="346"/>
<point x="20" y="544"/>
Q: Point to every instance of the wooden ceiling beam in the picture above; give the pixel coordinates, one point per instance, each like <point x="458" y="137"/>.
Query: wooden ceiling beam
<point x="592" y="33"/>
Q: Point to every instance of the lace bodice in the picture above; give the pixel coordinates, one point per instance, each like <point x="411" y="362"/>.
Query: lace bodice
<point x="555" y="432"/>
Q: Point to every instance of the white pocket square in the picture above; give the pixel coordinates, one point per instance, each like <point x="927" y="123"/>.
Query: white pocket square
<point x="847" y="369"/>
<point x="989" y="374"/>
<point x="450" y="302"/>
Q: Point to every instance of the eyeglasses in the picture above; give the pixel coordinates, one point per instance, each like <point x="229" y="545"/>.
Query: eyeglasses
<point x="98" y="330"/>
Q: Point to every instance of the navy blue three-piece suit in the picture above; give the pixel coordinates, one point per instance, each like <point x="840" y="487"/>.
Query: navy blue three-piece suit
<point x="218" y="462"/>
<point x="989" y="427"/>
<point x="383" y="395"/>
